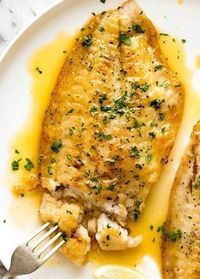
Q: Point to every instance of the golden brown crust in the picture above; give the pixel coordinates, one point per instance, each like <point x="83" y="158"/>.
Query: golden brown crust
<point x="113" y="117"/>
<point x="181" y="258"/>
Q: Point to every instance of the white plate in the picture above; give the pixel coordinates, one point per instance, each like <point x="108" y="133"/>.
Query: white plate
<point x="180" y="20"/>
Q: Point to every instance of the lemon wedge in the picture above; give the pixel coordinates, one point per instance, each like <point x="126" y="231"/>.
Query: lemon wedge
<point x="117" y="272"/>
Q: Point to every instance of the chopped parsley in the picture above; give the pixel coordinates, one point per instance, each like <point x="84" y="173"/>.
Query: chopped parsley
<point x="161" y="116"/>
<point x="71" y="131"/>
<point x="156" y="103"/>
<point x="49" y="169"/>
<point x="120" y="105"/>
<point x="87" y="41"/>
<point x="15" y="165"/>
<point x="101" y="136"/>
<point x="183" y="41"/>
<point x="93" y="109"/>
<point x="103" y="1"/>
<point x="111" y="187"/>
<point x="38" y="70"/>
<point x="69" y="157"/>
<point x="137" y="28"/>
<point x="196" y="185"/>
<point x="148" y="158"/>
<point x="165" y="84"/>
<point x="125" y="39"/>
<point x="134" y="152"/>
<point x="158" y="68"/>
<point x="172" y="236"/>
<point x="97" y="188"/>
<point x="102" y="98"/>
<point x="56" y="145"/>
<point x="144" y="87"/>
<point x="68" y="211"/>
<point x="112" y="160"/>
<point x="136" y="212"/>
<point x="163" y="130"/>
<point x="16" y="151"/>
<point x="29" y="165"/>
<point x="135" y="85"/>
<point x="164" y="34"/>
<point x="152" y="135"/>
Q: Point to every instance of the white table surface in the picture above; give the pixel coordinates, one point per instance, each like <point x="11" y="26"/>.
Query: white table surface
<point x="16" y="14"/>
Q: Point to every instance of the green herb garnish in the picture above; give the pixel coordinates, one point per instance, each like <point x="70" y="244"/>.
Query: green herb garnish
<point x="125" y="39"/>
<point x="148" y="158"/>
<point x="56" y="145"/>
<point x="196" y="185"/>
<point x="137" y="28"/>
<point x="101" y="136"/>
<point x="49" y="169"/>
<point x="172" y="236"/>
<point x="156" y="104"/>
<point x="134" y="152"/>
<point x="158" y="68"/>
<point x="144" y="87"/>
<point x="29" y="165"/>
<point x="15" y="165"/>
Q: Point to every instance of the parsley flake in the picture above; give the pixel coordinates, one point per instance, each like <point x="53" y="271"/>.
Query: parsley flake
<point x="134" y="152"/>
<point x="156" y="103"/>
<point x="15" y="165"/>
<point x="56" y="145"/>
<point x="137" y="28"/>
<point x="158" y="68"/>
<point x="29" y="165"/>
<point x="125" y="39"/>
<point x="196" y="185"/>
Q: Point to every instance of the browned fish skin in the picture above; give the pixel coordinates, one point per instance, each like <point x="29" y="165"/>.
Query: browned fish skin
<point x="111" y="123"/>
<point x="181" y="246"/>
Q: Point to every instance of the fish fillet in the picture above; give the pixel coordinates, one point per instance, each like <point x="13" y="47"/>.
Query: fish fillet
<point x="181" y="246"/>
<point x="110" y="124"/>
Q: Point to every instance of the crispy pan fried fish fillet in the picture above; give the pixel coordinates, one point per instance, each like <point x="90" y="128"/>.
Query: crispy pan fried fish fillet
<point x="109" y="128"/>
<point x="181" y="246"/>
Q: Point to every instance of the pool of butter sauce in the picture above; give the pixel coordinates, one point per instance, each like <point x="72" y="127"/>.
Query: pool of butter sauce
<point x="49" y="59"/>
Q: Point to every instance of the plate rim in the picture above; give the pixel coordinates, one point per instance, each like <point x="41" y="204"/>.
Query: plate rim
<point x="26" y="29"/>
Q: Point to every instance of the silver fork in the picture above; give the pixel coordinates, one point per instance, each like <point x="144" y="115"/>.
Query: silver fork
<point x="36" y="251"/>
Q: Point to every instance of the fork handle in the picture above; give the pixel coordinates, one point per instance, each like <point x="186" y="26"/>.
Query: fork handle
<point x="8" y="276"/>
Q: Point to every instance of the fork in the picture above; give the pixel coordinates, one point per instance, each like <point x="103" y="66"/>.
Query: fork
<point x="36" y="251"/>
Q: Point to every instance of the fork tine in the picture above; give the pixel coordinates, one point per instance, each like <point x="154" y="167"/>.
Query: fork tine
<point x="48" y="244"/>
<point x="33" y="235"/>
<point x="42" y="238"/>
<point x="47" y="256"/>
